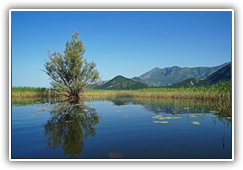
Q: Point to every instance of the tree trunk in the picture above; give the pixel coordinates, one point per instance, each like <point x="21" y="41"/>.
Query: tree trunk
<point x="77" y="95"/>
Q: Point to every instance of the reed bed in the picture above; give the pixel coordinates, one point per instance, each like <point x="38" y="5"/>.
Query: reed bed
<point x="216" y="93"/>
<point x="220" y="91"/>
<point x="25" y="92"/>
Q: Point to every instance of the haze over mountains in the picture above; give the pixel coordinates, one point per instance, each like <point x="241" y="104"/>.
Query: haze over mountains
<point x="171" y="77"/>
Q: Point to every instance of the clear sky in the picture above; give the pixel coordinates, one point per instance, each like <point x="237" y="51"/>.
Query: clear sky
<point x="120" y="43"/>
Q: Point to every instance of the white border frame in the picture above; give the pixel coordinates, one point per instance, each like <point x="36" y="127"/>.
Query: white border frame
<point x="119" y="10"/>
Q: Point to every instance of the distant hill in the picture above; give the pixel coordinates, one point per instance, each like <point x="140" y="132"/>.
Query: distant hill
<point x="171" y="75"/>
<point x="185" y="83"/>
<point x="155" y="76"/>
<point x="222" y="74"/>
<point x="122" y="83"/>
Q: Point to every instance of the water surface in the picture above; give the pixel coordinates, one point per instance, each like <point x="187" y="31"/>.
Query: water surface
<point x="119" y="128"/>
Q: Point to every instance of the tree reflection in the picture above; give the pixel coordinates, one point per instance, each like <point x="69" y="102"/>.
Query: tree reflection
<point x="70" y="123"/>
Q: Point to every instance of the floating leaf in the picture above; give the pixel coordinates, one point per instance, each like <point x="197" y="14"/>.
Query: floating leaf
<point x="157" y="116"/>
<point x="176" y="117"/>
<point x="199" y="114"/>
<point x="158" y="109"/>
<point x="168" y="117"/>
<point x="163" y="122"/>
<point x="228" y="117"/>
<point x="196" y="123"/>
<point x="32" y="115"/>
<point x="161" y="118"/>
<point x="156" y="121"/>
<point x="126" y="116"/>
<point x="212" y="115"/>
<point x="193" y="116"/>
<point x="117" y="110"/>
<point x="107" y="112"/>
<point x="85" y="110"/>
<point x="39" y="113"/>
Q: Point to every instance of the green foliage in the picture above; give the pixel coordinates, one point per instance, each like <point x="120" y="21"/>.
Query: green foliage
<point x="221" y="87"/>
<point x="186" y="83"/>
<point x="223" y="74"/>
<point x="70" y="72"/>
<point x="28" y="89"/>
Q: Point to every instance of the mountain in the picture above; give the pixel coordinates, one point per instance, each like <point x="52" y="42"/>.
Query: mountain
<point x="185" y="83"/>
<point x="175" y="74"/>
<point x="154" y="76"/>
<point x="223" y="74"/>
<point x="122" y="83"/>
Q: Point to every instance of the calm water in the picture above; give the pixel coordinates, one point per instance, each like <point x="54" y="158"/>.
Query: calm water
<point x="119" y="128"/>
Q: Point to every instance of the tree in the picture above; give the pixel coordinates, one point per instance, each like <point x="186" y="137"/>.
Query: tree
<point x="71" y="74"/>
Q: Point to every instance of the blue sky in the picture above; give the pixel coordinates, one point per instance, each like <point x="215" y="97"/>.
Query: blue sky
<point x="120" y="43"/>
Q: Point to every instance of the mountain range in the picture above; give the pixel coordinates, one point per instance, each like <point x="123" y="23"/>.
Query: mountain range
<point x="223" y="74"/>
<point x="171" y="75"/>
<point x="165" y="77"/>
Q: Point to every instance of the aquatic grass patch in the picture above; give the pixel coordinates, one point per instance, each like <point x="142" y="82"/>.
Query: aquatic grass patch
<point x="31" y="92"/>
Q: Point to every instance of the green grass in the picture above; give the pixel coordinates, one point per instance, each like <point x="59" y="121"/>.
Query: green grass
<point x="30" y="92"/>
<point x="28" y="89"/>
<point x="219" y="91"/>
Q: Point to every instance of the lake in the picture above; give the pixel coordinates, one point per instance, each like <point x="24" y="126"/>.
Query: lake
<point x="119" y="127"/>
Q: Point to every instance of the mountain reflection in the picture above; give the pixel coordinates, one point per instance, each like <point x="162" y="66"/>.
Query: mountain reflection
<point x="69" y="125"/>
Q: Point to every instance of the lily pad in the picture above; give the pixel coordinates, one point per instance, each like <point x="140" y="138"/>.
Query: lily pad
<point x="212" y="115"/>
<point x="38" y="113"/>
<point x="32" y="115"/>
<point x="156" y="121"/>
<point x="196" y="123"/>
<point x="161" y="118"/>
<point x="85" y="110"/>
<point x="107" y="112"/>
<point x="168" y="117"/>
<point x="117" y="110"/>
<point x="126" y="116"/>
<point x="157" y="116"/>
<point x="193" y="116"/>
<point x="228" y="117"/>
<point x="176" y="117"/>
<point x="163" y="122"/>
